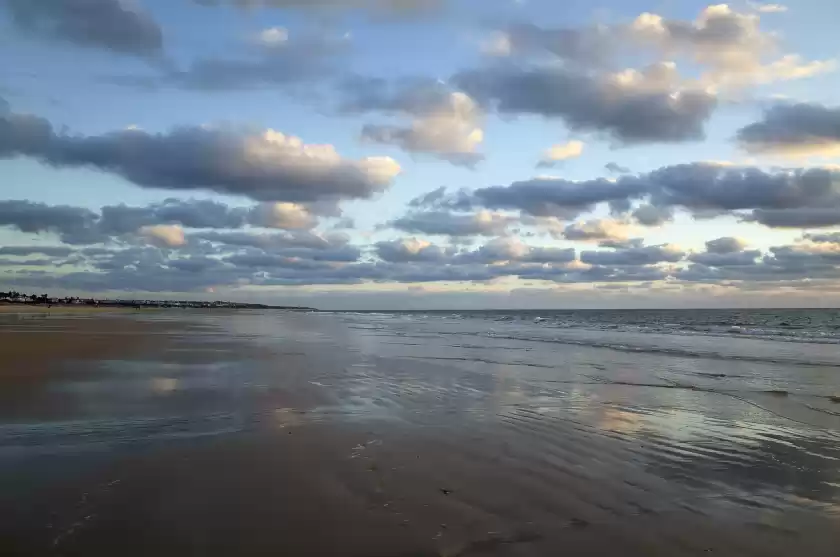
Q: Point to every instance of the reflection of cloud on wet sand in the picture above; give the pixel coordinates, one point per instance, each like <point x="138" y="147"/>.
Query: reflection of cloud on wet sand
<point x="620" y="421"/>
<point x="164" y="385"/>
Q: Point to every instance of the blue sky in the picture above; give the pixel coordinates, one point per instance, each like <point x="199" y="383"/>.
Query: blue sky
<point x="717" y="119"/>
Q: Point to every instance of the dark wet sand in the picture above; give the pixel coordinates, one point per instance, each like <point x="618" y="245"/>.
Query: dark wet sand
<point x="175" y="436"/>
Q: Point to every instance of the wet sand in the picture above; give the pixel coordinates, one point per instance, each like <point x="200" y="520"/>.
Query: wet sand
<point x="252" y="434"/>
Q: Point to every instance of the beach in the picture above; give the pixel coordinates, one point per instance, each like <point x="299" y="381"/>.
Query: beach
<point x="190" y="432"/>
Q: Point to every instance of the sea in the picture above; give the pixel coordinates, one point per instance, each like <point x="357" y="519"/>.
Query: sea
<point x="787" y="359"/>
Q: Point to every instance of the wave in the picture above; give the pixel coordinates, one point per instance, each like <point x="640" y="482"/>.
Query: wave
<point x="676" y="352"/>
<point x="619" y="347"/>
<point x="821" y="328"/>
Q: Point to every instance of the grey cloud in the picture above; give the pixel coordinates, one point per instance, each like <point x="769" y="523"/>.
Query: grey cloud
<point x="803" y="255"/>
<point x="21" y="251"/>
<point x="71" y="223"/>
<point x="108" y="24"/>
<point x="319" y="260"/>
<point x="285" y="216"/>
<point x="550" y="255"/>
<point x="783" y="263"/>
<point x="287" y="62"/>
<point x="726" y="259"/>
<point x="729" y="44"/>
<point x="414" y="96"/>
<point x="616" y="169"/>
<point x="633" y="256"/>
<point x="623" y="273"/>
<point x="77" y="225"/>
<point x="400" y="251"/>
<point x="622" y="244"/>
<point x="191" y="213"/>
<point x="794" y="128"/>
<point x="587" y="46"/>
<point x="196" y="264"/>
<point x="265" y="166"/>
<point x="725" y="245"/>
<point x="786" y="197"/>
<point x="803" y="217"/>
<point x="28" y="263"/>
<point x="711" y="186"/>
<point x="386" y="6"/>
<point x="443" y="142"/>
<point x="193" y="269"/>
<point x="444" y="123"/>
<point x="698" y="187"/>
<point x="651" y="215"/>
<point x="511" y="250"/>
<point x="275" y="241"/>
<point x="429" y="199"/>
<point x="555" y="197"/>
<point x="451" y="224"/>
<point x="827" y="238"/>
<point x="620" y="207"/>
<point x="598" y="229"/>
<point x="589" y="103"/>
<point x="345" y="223"/>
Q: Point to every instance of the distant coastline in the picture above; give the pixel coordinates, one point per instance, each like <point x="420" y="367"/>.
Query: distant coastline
<point x="14" y="298"/>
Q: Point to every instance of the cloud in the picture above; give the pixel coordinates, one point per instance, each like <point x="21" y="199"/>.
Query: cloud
<point x="803" y="217"/>
<point x="597" y="230"/>
<point x="497" y="44"/>
<point x="628" y="110"/>
<point x="481" y="223"/>
<point x="729" y="43"/>
<point x="651" y="215"/>
<point x="232" y="259"/>
<point x="827" y="238"/>
<point x="164" y="235"/>
<point x="561" y="152"/>
<point x="279" y="60"/>
<point x="71" y="223"/>
<point x="376" y="6"/>
<point x="123" y="223"/>
<point x="729" y="259"/>
<point x="546" y="197"/>
<point x="794" y="130"/>
<point x="263" y="165"/>
<point x="587" y="46"/>
<point x="616" y="169"/>
<point x="514" y="250"/>
<point x="410" y="249"/>
<point x="285" y="216"/>
<point x="729" y="46"/>
<point x="648" y="255"/>
<point x="273" y="242"/>
<point x="725" y="252"/>
<point x="22" y="251"/>
<point x="711" y="186"/>
<point x="793" y="264"/>
<point x="725" y="245"/>
<point x="271" y="36"/>
<point x="444" y="123"/>
<point x="767" y="8"/>
<point x="775" y="198"/>
<point x="191" y="213"/>
<point x="114" y="25"/>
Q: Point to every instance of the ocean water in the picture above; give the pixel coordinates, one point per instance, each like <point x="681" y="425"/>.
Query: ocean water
<point x="790" y="354"/>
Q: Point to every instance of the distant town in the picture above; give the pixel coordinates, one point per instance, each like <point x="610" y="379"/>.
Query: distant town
<point x="13" y="297"/>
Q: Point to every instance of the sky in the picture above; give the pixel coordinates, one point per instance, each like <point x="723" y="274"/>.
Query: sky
<point x="422" y="154"/>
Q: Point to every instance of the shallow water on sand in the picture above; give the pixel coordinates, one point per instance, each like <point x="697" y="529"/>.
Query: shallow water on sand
<point x="429" y="434"/>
